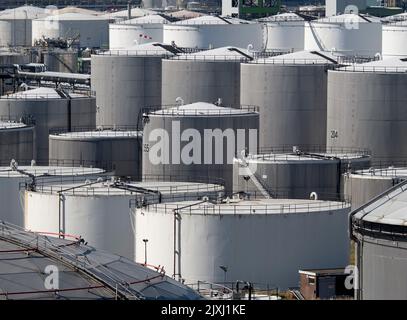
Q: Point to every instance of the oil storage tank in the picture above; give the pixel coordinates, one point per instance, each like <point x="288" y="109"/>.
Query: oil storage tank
<point x="134" y="82"/>
<point x="59" y="60"/>
<point x="291" y="92"/>
<point x="284" y="31"/>
<point x="198" y="140"/>
<point x="17" y="141"/>
<point x="207" y="32"/>
<point x="394" y="39"/>
<point x="297" y="175"/>
<point x="124" y="34"/>
<point x="364" y="185"/>
<point x="98" y="211"/>
<point x="366" y="105"/>
<point x="48" y="109"/>
<point x="116" y="151"/>
<point x="246" y="240"/>
<point x="16" y="25"/>
<point x="14" y="176"/>
<point x="84" y="273"/>
<point x="379" y="231"/>
<point x="204" y="76"/>
<point x="89" y="30"/>
<point x="347" y="34"/>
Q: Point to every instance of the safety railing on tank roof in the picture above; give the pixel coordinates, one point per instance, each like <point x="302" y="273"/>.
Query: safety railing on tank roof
<point x="99" y="133"/>
<point x="49" y="96"/>
<point x="174" y="110"/>
<point x="145" y="22"/>
<point x="38" y="171"/>
<point x="61" y="130"/>
<point x="140" y="53"/>
<point x="373" y="69"/>
<point x="212" y="57"/>
<point x="319" y="149"/>
<point x="384" y="172"/>
<point x="246" y="209"/>
<point x="24" y="120"/>
<point x="108" y="165"/>
<point x="209" y="23"/>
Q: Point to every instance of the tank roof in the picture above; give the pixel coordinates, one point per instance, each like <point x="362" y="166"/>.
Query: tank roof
<point x="74" y="16"/>
<point x="381" y="173"/>
<point x="349" y="18"/>
<point x="72" y="9"/>
<point x="145" y="49"/>
<point x="97" y="135"/>
<point x="201" y="109"/>
<point x="83" y="271"/>
<point x="301" y="58"/>
<point x="186" y="14"/>
<point x="11" y="125"/>
<point x="40" y="93"/>
<point x="24" y="12"/>
<point x="8" y="172"/>
<point x="219" y="54"/>
<point x="283" y="17"/>
<point x="212" y="20"/>
<point x="135" y="12"/>
<point x="250" y="207"/>
<point x="391" y="65"/>
<point x="153" y="18"/>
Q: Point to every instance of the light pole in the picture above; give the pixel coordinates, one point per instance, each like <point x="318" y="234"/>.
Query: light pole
<point x="145" y="251"/>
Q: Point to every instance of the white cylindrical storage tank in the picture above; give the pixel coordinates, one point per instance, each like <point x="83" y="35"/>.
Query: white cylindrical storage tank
<point x="290" y="91"/>
<point x="12" y="182"/>
<point x="379" y="231"/>
<point x="284" y="32"/>
<point x="198" y="140"/>
<point x="99" y="212"/>
<point x="16" y="25"/>
<point x="126" y="81"/>
<point x="347" y="34"/>
<point x="204" y="76"/>
<point x="17" y="141"/>
<point x="116" y="151"/>
<point x="91" y="31"/>
<point x="141" y="30"/>
<point x="48" y="109"/>
<point x="299" y="175"/>
<point x="61" y="60"/>
<point x="261" y="241"/>
<point x="364" y="185"/>
<point x="365" y="109"/>
<point x="209" y="32"/>
<point x="394" y="39"/>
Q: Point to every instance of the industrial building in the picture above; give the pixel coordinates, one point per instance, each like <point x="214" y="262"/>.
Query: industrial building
<point x="98" y="210"/>
<point x="291" y="93"/>
<point x="297" y="175"/>
<point x="188" y="140"/>
<point x="242" y="239"/>
<point x="48" y="109"/>
<point x="365" y="109"/>
<point x="14" y="177"/>
<point x="17" y="141"/>
<point x="204" y="76"/>
<point x="116" y="151"/>
<point x="347" y="34"/>
<point x="125" y="34"/>
<point x="378" y="230"/>
<point x="208" y="32"/>
<point x="135" y="83"/>
<point x="84" y="273"/>
<point x="364" y="185"/>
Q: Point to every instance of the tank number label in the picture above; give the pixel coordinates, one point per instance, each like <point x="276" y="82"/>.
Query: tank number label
<point x="334" y="134"/>
<point x="146" y="147"/>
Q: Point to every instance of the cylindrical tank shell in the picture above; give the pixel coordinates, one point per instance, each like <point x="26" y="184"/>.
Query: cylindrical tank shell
<point x="364" y="185"/>
<point x="118" y="152"/>
<point x="48" y="110"/>
<point x="135" y="83"/>
<point x="260" y="241"/>
<point x="290" y="91"/>
<point x="209" y="32"/>
<point x="139" y="30"/>
<point x="17" y="141"/>
<point x="100" y="212"/>
<point x="356" y="117"/>
<point x="284" y="32"/>
<point x="12" y="198"/>
<point x="348" y="34"/>
<point x="92" y="31"/>
<point x="394" y="39"/>
<point x="61" y="61"/>
<point x="204" y="76"/>
<point x="10" y="58"/>
<point x="206" y="121"/>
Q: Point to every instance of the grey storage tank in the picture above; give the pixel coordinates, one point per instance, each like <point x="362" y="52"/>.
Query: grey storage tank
<point x="116" y="151"/>
<point x="380" y="233"/>
<point x="290" y="91"/>
<point x="59" y="60"/>
<point x="364" y="185"/>
<point x="17" y="141"/>
<point x="366" y="109"/>
<point x="204" y="76"/>
<point x="297" y="175"/>
<point x="48" y="109"/>
<point x="125" y="81"/>
<point x="198" y="140"/>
